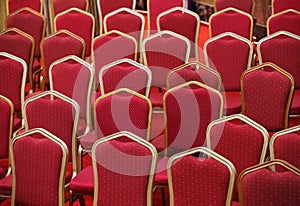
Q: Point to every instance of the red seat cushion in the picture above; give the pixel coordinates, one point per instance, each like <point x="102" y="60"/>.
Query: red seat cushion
<point x="88" y="140"/>
<point x="159" y="143"/>
<point x="17" y="123"/>
<point x="2" y="173"/>
<point x="233" y="102"/>
<point x="161" y="176"/>
<point x="83" y="183"/>
<point x="157" y="99"/>
<point x="295" y="107"/>
<point x="6" y="185"/>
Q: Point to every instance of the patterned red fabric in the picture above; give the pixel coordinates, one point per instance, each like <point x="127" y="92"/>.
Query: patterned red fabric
<point x="241" y="144"/>
<point x="161" y="175"/>
<point x="80" y="24"/>
<point x="246" y="6"/>
<point x="122" y="113"/>
<point x="233" y="102"/>
<point x="260" y="102"/>
<point x="122" y="167"/>
<point x="5" y="117"/>
<point x="287" y="21"/>
<point x="156" y="7"/>
<point x="231" y="21"/>
<point x="6" y="185"/>
<point x="58" y="46"/>
<point x="163" y="54"/>
<point x="156" y="99"/>
<point x="14" y="5"/>
<point x="11" y="74"/>
<point x="181" y="23"/>
<point x="125" y="75"/>
<point x="286" y="148"/>
<point x="56" y="116"/>
<point x="105" y="51"/>
<point x="188" y="114"/>
<point x="60" y="6"/>
<point x="295" y="107"/>
<point x="264" y="187"/>
<point x="30" y="23"/>
<point x="281" y="5"/>
<point x="189" y="177"/>
<point x="83" y="183"/>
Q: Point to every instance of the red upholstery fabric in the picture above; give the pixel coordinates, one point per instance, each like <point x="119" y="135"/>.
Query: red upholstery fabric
<point x="6" y="185"/>
<point x="38" y="164"/>
<point x="60" y="6"/>
<point x="264" y="187"/>
<point x="83" y="183"/>
<point x="122" y="112"/>
<point x="30" y="23"/>
<point x="231" y="21"/>
<point x="190" y="174"/>
<point x="246" y="6"/>
<point x="11" y="74"/>
<point x="260" y="102"/>
<point x="88" y="140"/>
<point x="17" y="123"/>
<point x="181" y="23"/>
<point x="14" y="5"/>
<point x="159" y="143"/>
<point x="161" y="175"/>
<point x="156" y="7"/>
<point x="122" y="167"/>
<point x="287" y="21"/>
<point x="2" y="173"/>
<point x="188" y="114"/>
<point x="58" y="46"/>
<point x="233" y="102"/>
<point x="295" y="107"/>
<point x="281" y="5"/>
<point x="78" y="23"/>
<point x="5" y="118"/>
<point x="156" y="98"/>
<point x="125" y="75"/>
<point x="105" y="51"/>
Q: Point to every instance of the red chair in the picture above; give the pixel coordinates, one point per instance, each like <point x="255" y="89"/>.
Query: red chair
<point x="14" y="5"/>
<point x="125" y="73"/>
<point x="287" y="20"/>
<point x="247" y="6"/>
<point x="284" y="145"/>
<point x="104" y="50"/>
<point x="260" y="186"/>
<point x="12" y="84"/>
<point x="73" y="77"/>
<point x="188" y="174"/>
<point x="231" y="20"/>
<point x="280" y="5"/>
<point x="230" y="55"/>
<point x="155" y="7"/>
<point x="240" y="140"/>
<point x="194" y="71"/>
<point x="287" y="57"/>
<point x="162" y="52"/>
<point x="267" y="92"/>
<point x="184" y="22"/>
<point x="106" y="6"/>
<point x="129" y="164"/>
<point x="57" y="46"/>
<point x="19" y="44"/>
<point x="80" y="23"/>
<point x="39" y="160"/>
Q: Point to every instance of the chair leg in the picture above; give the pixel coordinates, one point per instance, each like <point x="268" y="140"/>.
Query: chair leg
<point x="163" y="196"/>
<point x="71" y="198"/>
<point x="81" y="200"/>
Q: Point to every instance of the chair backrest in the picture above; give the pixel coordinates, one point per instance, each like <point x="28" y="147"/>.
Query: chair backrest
<point x="73" y="77"/>
<point x="188" y="112"/>
<point x="125" y="73"/>
<point x="6" y="122"/>
<point x="230" y="55"/>
<point x="184" y="22"/>
<point x="247" y="6"/>
<point x="287" y="20"/>
<point x="129" y="166"/>
<point x="155" y="7"/>
<point x="107" y="49"/>
<point x="287" y="55"/>
<point x="39" y="160"/>
<point x="260" y="186"/>
<point x="13" y="72"/>
<point x="188" y="173"/>
<point x="58" y="6"/>
<point x="79" y="22"/>
<point x="122" y="110"/>
<point x="127" y="21"/>
<point x="162" y="52"/>
<point x="194" y="71"/>
<point x="106" y="6"/>
<point x="238" y="139"/>
<point x="267" y="92"/>
<point x="284" y="145"/>
<point x="19" y="44"/>
<point x="56" y="113"/>
<point x="58" y="45"/>
<point x="14" y="5"/>
<point x="281" y="5"/>
<point x="30" y="22"/>
<point x="231" y="20"/>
